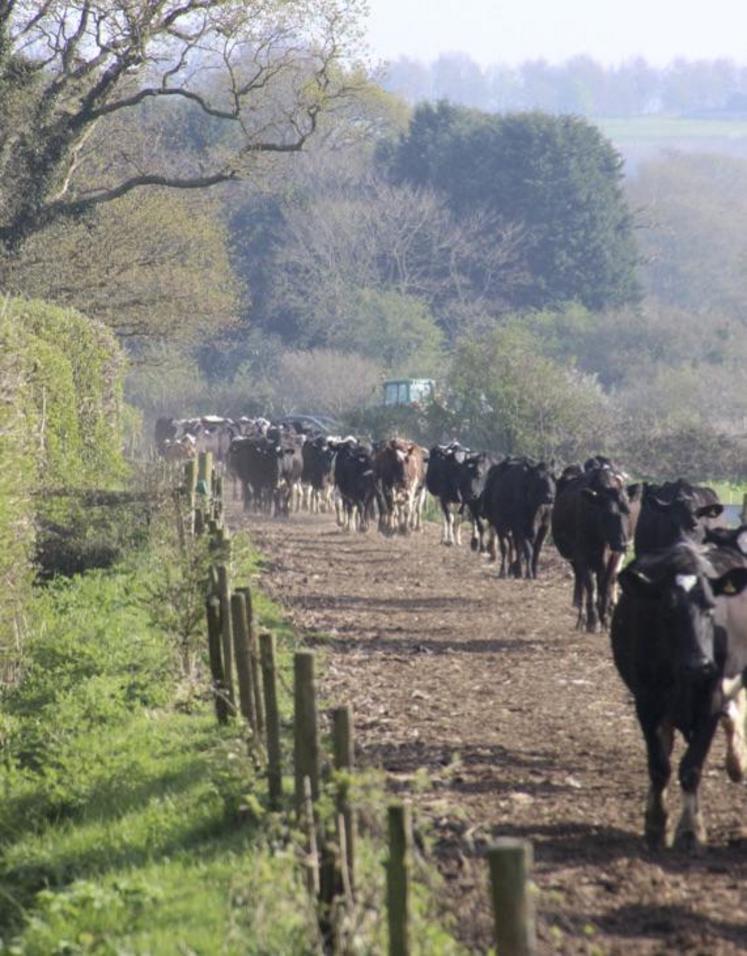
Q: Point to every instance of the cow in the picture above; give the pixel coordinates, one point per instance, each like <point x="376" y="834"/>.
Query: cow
<point x="677" y="657"/>
<point x="443" y="481"/>
<point x="517" y="502"/>
<point x="290" y="468"/>
<point x="165" y="431"/>
<point x="318" y="472"/>
<point x="355" y="481"/>
<point x="673" y="510"/>
<point x="472" y="477"/>
<point x="255" y="461"/>
<point x="179" y="449"/>
<point x="593" y="522"/>
<point x="400" y="469"/>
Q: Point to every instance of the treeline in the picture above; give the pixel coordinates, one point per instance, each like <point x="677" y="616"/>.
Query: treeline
<point x="579" y="85"/>
<point x="61" y="377"/>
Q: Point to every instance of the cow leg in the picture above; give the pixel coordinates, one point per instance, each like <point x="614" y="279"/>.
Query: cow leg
<point x="491" y="548"/>
<point x="691" y="831"/>
<point x="733" y="722"/>
<point x="588" y="603"/>
<point x="503" y="543"/>
<point x="659" y="739"/>
<point x="539" y="540"/>
<point x="457" y="528"/>
<point x="448" y="521"/>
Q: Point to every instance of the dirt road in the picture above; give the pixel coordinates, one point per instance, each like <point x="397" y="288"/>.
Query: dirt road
<point x="482" y="702"/>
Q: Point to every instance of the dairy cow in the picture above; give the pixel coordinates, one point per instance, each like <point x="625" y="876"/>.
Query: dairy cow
<point x="679" y="644"/>
<point x="674" y="510"/>
<point x="593" y="522"/>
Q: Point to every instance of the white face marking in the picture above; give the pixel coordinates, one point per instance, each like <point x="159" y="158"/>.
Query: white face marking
<point x="742" y="542"/>
<point x="686" y="581"/>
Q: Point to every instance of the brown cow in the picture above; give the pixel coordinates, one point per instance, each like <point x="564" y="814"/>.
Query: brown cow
<point x="399" y="470"/>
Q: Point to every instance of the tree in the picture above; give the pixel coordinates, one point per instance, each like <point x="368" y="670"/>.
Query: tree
<point x="512" y="399"/>
<point x="392" y="240"/>
<point x="72" y="71"/>
<point x="325" y="381"/>
<point x="692" y="212"/>
<point x="558" y="177"/>
<point x="152" y="267"/>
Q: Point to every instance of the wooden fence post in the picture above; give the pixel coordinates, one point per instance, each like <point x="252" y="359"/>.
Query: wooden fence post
<point x="743" y="517"/>
<point x="240" y="630"/>
<point x="272" y="714"/>
<point x="305" y="733"/>
<point x="398" y="880"/>
<point x="216" y="661"/>
<point x="205" y="471"/>
<point x="190" y="476"/>
<point x="510" y="862"/>
<point x="224" y="594"/>
<point x="254" y="656"/>
<point x="342" y="743"/>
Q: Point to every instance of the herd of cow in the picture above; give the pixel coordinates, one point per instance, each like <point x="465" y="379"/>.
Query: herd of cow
<point x="677" y="613"/>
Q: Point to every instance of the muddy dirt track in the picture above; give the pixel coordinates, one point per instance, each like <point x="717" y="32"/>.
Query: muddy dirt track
<point x="482" y="702"/>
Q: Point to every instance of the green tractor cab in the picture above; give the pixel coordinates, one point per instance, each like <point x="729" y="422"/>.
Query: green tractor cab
<point x="408" y="391"/>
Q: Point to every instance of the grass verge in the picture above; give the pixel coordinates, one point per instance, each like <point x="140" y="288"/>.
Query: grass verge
<point x="129" y="822"/>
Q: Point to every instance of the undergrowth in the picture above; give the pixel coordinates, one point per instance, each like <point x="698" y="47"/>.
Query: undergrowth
<point x="130" y="823"/>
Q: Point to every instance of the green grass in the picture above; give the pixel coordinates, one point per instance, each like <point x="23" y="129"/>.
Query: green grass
<point x="131" y="824"/>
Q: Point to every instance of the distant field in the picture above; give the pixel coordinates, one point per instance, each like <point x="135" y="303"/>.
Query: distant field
<point x="641" y="138"/>
<point x="651" y="128"/>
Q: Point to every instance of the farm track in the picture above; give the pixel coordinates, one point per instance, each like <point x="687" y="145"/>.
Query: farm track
<point x="484" y="705"/>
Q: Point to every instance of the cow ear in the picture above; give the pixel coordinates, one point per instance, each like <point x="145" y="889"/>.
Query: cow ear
<point x="709" y="511"/>
<point x="730" y="584"/>
<point x="635" y="583"/>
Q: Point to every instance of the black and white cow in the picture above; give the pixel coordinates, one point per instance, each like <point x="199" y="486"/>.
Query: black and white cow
<point x="679" y="645"/>
<point x="443" y="479"/>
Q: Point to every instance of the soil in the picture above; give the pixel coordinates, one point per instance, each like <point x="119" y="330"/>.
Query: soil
<point x="485" y="706"/>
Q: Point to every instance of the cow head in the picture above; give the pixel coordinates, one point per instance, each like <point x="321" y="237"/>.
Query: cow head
<point x="683" y="593"/>
<point x="473" y="474"/>
<point x="613" y="514"/>
<point x="541" y="485"/>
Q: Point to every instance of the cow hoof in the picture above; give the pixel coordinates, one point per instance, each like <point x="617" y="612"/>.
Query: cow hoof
<point x="691" y="836"/>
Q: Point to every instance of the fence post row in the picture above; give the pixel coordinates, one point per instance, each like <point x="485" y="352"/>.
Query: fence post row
<point x="231" y="632"/>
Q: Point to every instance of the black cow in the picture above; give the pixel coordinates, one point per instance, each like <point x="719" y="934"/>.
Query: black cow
<point x="673" y="655"/>
<point x="517" y="502"/>
<point x="674" y="510"/>
<point x="593" y="520"/>
<point x="443" y="481"/>
<point x="354" y="478"/>
<point x="318" y="472"/>
<point x="165" y="431"/>
<point x="472" y="477"/>
<point x="254" y="461"/>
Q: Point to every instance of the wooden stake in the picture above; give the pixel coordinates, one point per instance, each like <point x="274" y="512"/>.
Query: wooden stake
<point x="224" y="594"/>
<point x="342" y="743"/>
<point x="274" y="759"/>
<point x="510" y="862"/>
<point x="216" y="661"/>
<point x="254" y="656"/>
<point x="398" y="880"/>
<point x="240" y="630"/>
<point x="305" y="734"/>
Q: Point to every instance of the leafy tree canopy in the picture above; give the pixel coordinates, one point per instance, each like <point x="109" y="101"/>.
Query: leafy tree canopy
<point x="556" y="176"/>
<point x="73" y="73"/>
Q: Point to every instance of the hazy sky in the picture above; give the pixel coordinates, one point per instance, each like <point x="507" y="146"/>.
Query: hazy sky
<point x="509" y="31"/>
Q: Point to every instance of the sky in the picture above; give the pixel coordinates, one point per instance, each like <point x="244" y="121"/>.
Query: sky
<point x="510" y="31"/>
